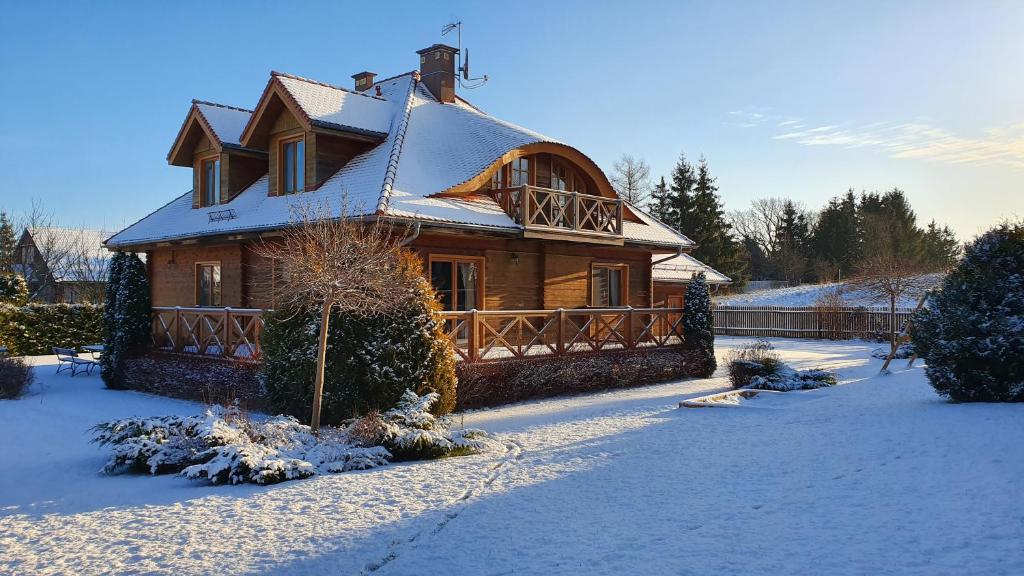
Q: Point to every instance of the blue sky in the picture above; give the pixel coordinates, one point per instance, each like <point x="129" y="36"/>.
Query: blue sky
<point x="785" y="99"/>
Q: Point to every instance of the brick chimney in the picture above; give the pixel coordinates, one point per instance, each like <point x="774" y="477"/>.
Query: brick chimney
<point x="364" y="80"/>
<point x="437" y="68"/>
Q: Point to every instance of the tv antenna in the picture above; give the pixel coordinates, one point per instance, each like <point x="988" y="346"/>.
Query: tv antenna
<point x="462" y="73"/>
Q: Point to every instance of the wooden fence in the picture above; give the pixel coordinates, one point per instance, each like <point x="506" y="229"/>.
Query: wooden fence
<point x="495" y="334"/>
<point x="229" y="332"/>
<point x="806" y="322"/>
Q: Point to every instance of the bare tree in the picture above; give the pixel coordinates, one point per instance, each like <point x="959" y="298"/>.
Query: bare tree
<point x="890" y="277"/>
<point x="335" y="262"/>
<point x="760" y="223"/>
<point x="632" y="179"/>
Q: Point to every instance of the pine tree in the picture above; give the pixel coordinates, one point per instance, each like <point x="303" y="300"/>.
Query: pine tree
<point x="940" y="248"/>
<point x="835" y="241"/>
<point x="126" y="318"/>
<point x="7" y="244"/>
<point x="698" y="323"/>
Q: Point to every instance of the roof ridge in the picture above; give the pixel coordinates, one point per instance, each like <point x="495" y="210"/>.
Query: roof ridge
<point x="396" y="151"/>
<point x="324" y="84"/>
<point x="208" y="103"/>
<point x="395" y="77"/>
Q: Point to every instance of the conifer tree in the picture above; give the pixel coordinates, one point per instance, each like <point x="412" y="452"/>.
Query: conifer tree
<point x="706" y="224"/>
<point x="126" y="318"/>
<point x="940" y="248"/>
<point x="698" y="322"/>
<point x="659" y="201"/>
<point x="7" y="244"/>
<point x="835" y="241"/>
<point x="790" y="261"/>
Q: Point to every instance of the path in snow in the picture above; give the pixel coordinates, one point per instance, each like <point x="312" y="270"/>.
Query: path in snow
<point x="878" y="476"/>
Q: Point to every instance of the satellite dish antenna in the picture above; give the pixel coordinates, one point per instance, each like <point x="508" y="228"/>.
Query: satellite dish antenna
<point x="466" y="81"/>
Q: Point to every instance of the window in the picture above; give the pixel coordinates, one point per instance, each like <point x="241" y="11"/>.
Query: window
<point x="565" y="178"/>
<point x="498" y="179"/>
<point x="210" y="181"/>
<point x="609" y="285"/>
<point x="208" y="284"/>
<point x="520" y="172"/>
<point x="293" y="163"/>
<point x="458" y="282"/>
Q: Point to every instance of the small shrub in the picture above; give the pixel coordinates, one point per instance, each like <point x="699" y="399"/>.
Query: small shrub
<point x="15" y="377"/>
<point x="903" y="352"/>
<point x="13" y="289"/>
<point x="971" y="334"/>
<point x="786" y="379"/>
<point x="756" y="359"/>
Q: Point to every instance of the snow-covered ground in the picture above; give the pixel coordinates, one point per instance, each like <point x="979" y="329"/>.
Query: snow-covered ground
<point x="875" y="476"/>
<point x="808" y="294"/>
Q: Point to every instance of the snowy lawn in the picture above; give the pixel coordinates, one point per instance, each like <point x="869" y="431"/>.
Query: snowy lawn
<point x="875" y="476"/>
<point x="806" y="295"/>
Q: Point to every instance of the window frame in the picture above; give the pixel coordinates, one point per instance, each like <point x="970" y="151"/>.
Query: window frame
<point x="454" y="259"/>
<point x="203" y="185"/>
<point x="623" y="283"/>
<point x="281" y="161"/>
<point x="198" y="284"/>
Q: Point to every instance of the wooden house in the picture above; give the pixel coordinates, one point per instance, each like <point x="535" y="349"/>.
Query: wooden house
<point x="506" y="219"/>
<point x="63" y="265"/>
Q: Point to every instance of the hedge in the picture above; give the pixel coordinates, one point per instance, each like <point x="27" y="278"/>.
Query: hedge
<point x="35" y="329"/>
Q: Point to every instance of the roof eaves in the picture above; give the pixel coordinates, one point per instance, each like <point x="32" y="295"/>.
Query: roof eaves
<point x="347" y="128"/>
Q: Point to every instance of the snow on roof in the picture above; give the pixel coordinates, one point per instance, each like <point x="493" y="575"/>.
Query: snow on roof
<point x="334" y="106"/>
<point x="227" y="122"/>
<point x="683" y="268"/>
<point x="429" y="148"/>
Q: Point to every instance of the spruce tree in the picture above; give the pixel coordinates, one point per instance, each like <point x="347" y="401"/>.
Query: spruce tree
<point x="790" y="262"/>
<point x="699" y="323"/>
<point x="7" y="244"/>
<point x="940" y="248"/>
<point x="716" y="246"/>
<point x="126" y="319"/>
<point x="835" y="241"/>
<point x="660" y="198"/>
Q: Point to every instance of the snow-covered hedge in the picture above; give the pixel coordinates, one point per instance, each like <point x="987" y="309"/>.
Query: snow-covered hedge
<point x="370" y="361"/>
<point x="971" y="335"/>
<point x="211" y="380"/>
<point x="758" y="366"/>
<point x="224" y="446"/>
<point x="503" y="381"/>
<point x="35" y="329"/>
<point x="13" y="289"/>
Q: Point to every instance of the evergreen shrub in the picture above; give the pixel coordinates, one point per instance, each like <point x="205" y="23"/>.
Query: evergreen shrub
<point x="35" y="329"/>
<point x="371" y="360"/>
<point x="971" y="334"/>
<point x="13" y="289"/>
<point x="699" y="324"/>
<point x="127" y="319"/>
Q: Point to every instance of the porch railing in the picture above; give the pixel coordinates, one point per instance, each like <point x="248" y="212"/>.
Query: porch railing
<point x="548" y="210"/>
<point x="497" y="334"/>
<point x="476" y="334"/>
<point x="226" y="332"/>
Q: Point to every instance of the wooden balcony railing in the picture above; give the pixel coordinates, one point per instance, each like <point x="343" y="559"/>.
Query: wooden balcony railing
<point x="496" y="334"/>
<point x="477" y="334"/>
<point x="544" y="212"/>
<point x="227" y="332"/>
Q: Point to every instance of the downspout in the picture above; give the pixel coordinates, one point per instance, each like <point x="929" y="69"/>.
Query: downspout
<point x="408" y="239"/>
<point x="679" y="252"/>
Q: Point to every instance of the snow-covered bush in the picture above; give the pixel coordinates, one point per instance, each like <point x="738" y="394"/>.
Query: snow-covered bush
<point x="126" y="320"/>
<point x="971" y="335"/>
<point x="699" y="323"/>
<point x="35" y="329"/>
<point x="758" y="366"/>
<point x="13" y="289"/>
<point x="371" y="361"/>
<point x="15" y="377"/>
<point x="225" y="446"/>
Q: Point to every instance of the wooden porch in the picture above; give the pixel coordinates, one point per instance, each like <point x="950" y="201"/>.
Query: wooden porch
<point x="478" y="335"/>
<point x="549" y="213"/>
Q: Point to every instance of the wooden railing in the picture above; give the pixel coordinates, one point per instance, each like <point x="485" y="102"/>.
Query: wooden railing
<point x="497" y="334"/>
<point x="227" y="332"/>
<point x="559" y="211"/>
<point x="806" y="322"/>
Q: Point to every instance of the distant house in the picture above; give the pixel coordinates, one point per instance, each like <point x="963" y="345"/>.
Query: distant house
<point x="671" y="276"/>
<point x="63" y="264"/>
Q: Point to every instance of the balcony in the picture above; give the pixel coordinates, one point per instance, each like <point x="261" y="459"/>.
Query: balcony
<point x="562" y="215"/>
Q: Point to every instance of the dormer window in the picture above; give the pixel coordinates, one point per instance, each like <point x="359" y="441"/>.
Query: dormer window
<point x="210" y="181"/>
<point x="293" y="162"/>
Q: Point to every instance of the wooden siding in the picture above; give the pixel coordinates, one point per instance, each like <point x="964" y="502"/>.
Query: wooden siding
<point x="172" y="274"/>
<point x="330" y="153"/>
<point x="662" y="291"/>
<point x="204" y="149"/>
<point x="240" y="172"/>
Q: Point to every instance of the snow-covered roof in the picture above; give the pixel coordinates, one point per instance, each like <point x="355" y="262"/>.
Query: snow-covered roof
<point x="683" y="268"/>
<point x="73" y="254"/>
<point x="227" y="122"/>
<point x="429" y="148"/>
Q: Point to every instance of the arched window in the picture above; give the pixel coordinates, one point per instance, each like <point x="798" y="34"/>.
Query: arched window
<point x="563" y="177"/>
<point x="512" y="175"/>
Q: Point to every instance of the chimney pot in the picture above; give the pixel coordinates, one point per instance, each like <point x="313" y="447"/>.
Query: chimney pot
<point x="437" y="69"/>
<point x="364" y="80"/>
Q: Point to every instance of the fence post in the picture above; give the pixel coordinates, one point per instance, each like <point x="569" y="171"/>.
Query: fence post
<point x="561" y="331"/>
<point x="178" y="347"/>
<point x="630" y="344"/>
<point x="226" y="347"/>
<point x="474" y="353"/>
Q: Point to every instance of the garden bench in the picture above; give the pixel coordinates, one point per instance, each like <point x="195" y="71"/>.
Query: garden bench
<point x="68" y="359"/>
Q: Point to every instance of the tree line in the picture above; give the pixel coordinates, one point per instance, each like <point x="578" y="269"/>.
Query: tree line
<point x="779" y="239"/>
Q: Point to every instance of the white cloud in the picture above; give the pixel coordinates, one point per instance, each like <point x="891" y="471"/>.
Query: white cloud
<point x="920" y="140"/>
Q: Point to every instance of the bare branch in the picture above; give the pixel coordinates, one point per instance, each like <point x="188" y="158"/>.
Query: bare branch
<point x="632" y="179"/>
